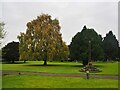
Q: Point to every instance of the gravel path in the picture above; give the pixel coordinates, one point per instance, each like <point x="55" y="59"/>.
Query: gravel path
<point x="10" y="72"/>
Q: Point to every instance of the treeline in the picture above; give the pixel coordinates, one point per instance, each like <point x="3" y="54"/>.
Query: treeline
<point x="43" y="41"/>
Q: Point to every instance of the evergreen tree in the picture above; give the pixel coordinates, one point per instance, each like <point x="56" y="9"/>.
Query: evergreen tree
<point x="79" y="47"/>
<point x="110" y="45"/>
<point x="119" y="54"/>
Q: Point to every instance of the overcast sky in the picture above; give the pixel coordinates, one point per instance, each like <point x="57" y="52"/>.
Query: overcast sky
<point x="102" y="16"/>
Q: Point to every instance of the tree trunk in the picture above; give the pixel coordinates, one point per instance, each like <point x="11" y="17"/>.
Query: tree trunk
<point x="45" y="55"/>
<point x="45" y="59"/>
<point x="13" y="61"/>
<point x="24" y="61"/>
<point x="45" y="62"/>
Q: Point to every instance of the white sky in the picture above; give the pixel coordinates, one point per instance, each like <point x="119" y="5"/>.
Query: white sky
<point x="72" y="15"/>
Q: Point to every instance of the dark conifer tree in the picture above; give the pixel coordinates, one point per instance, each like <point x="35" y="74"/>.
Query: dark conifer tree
<point x="110" y="45"/>
<point x="79" y="47"/>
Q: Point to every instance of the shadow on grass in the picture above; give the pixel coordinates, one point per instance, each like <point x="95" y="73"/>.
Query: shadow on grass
<point x="62" y="65"/>
<point x="13" y="63"/>
<point x="56" y="65"/>
<point x="98" y="66"/>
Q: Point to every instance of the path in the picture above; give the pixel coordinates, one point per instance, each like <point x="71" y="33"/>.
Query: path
<point x="10" y="72"/>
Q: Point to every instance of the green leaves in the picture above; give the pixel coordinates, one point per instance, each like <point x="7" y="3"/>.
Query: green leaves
<point x="79" y="47"/>
<point x="110" y="45"/>
<point x="11" y="52"/>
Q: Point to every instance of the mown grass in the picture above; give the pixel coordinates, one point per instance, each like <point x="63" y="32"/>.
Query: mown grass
<point x="61" y="67"/>
<point x="34" y="81"/>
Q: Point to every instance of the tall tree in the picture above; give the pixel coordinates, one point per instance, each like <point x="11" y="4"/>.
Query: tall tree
<point x="11" y="52"/>
<point x="110" y="45"/>
<point x="42" y="40"/>
<point x="79" y="47"/>
<point x="119" y="53"/>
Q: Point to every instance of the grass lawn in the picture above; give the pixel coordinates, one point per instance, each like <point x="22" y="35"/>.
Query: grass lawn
<point x="61" y="67"/>
<point x="34" y="81"/>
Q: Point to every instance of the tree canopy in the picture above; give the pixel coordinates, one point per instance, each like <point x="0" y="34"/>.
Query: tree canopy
<point x="42" y="40"/>
<point x="11" y="52"/>
<point x="79" y="47"/>
<point x="119" y="53"/>
<point x="111" y="46"/>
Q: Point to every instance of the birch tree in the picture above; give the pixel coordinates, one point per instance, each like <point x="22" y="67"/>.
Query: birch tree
<point x="42" y="40"/>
